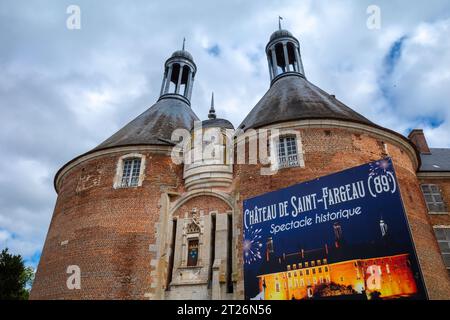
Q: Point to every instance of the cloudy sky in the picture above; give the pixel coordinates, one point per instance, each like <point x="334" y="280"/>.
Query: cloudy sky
<point x="64" y="91"/>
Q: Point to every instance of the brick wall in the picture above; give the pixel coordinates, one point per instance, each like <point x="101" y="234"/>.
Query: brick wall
<point x="105" y="231"/>
<point x="441" y="219"/>
<point x="331" y="150"/>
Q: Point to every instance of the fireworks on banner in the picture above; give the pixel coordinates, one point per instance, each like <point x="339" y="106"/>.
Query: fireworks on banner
<point x="252" y="245"/>
<point x="379" y="167"/>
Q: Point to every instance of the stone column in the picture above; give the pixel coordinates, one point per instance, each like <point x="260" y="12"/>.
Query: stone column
<point x="179" y="255"/>
<point x="270" y="68"/>
<point x="188" y="84"/>
<point x="221" y="250"/>
<point x="180" y="75"/>
<point x="168" y="78"/>
<point x="274" y="62"/>
<point x="190" y="87"/>
<point x="299" y="60"/>
<point x="163" y="82"/>
<point x="286" y="57"/>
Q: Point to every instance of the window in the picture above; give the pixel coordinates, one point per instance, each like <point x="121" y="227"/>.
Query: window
<point x="287" y="152"/>
<point x="192" y="253"/>
<point x="130" y="173"/>
<point x="433" y="198"/>
<point x="443" y="239"/>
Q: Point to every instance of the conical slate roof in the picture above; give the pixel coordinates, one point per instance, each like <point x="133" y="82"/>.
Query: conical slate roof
<point x="295" y="98"/>
<point x="155" y="125"/>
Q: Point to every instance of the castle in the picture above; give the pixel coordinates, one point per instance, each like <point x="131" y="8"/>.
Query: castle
<point x="139" y="225"/>
<point x="333" y="270"/>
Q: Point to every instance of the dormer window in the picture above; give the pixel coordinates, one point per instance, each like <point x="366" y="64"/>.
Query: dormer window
<point x="287" y="152"/>
<point x="130" y="171"/>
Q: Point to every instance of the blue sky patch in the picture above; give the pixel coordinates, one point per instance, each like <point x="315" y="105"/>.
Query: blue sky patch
<point x="214" y="50"/>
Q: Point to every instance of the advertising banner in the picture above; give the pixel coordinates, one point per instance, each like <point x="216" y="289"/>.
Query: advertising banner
<point x="341" y="236"/>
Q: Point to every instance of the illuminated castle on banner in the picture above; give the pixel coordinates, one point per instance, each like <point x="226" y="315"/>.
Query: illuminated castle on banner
<point x="318" y="273"/>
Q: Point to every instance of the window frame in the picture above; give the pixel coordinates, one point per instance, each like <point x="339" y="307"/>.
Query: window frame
<point x="427" y="191"/>
<point x="446" y="240"/>
<point x="195" y="240"/>
<point x="130" y="172"/>
<point x="283" y="161"/>
<point x="118" y="179"/>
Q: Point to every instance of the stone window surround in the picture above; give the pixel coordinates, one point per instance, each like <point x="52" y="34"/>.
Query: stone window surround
<point x="117" y="183"/>
<point x="186" y="237"/>
<point x="274" y="143"/>
<point x="286" y="139"/>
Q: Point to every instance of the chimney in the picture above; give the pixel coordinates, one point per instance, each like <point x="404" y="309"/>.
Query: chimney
<point x="418" y="138"/>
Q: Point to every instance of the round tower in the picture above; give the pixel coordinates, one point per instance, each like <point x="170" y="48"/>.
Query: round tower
<point x="102" y="241"/>
<point x="313" y="134"/>
<point x="210" y="153"/>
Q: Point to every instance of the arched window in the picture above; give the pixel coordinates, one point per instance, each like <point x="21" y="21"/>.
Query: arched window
<point x="279" y="53"/>
<point x="184" y="81"/>
<point x="130" y="171"/>
<point x="173" y="81"/>
<point x="291" y="57"/>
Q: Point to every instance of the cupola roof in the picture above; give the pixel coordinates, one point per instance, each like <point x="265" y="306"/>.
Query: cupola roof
<point x="295" y="98"/>
<point x="281" y="33"/>
<point x="182" y="54"/>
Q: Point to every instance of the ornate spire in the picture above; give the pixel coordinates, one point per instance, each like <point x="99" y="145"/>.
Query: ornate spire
<point x="212" y="111"/>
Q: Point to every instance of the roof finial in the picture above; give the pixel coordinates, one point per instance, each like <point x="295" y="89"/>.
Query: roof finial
<point x="184" y="41"/>
<point x="279" y="22"/>
<point x="212" y="112"/>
